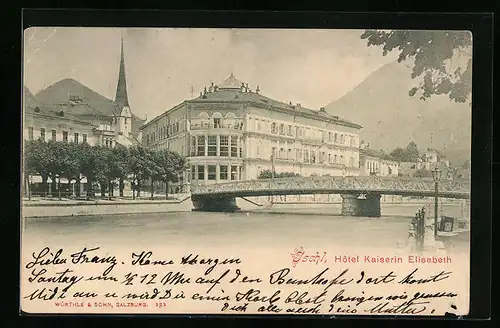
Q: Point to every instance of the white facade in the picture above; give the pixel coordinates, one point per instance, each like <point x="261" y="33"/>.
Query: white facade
<point x="230" y="133"/>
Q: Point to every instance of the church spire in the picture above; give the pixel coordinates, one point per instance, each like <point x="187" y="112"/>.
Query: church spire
<point x="121" y="97"/>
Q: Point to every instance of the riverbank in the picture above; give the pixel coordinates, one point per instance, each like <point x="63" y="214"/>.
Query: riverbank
<point x="63" y="208"/>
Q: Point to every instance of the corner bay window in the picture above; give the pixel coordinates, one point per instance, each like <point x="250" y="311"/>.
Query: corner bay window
<point x="234" y="172"/>
<point x="234" y="146"/>
<point x="212" y="146"/>
<point x="201" y="146"/>
<point x="224" y="146"/>
<point x="193" y="172"/>
<point x="212" y="172"/>
<point x="201" y="172"/>
<point x="223" y="172"/>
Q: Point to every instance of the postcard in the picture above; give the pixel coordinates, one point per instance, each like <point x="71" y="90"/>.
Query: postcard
<point x="246" y="171"/>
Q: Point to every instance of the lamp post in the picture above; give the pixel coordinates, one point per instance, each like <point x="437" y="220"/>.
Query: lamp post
<point x="436" y="176"/>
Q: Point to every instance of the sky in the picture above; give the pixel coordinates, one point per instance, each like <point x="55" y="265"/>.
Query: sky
<point x="164" y="65"/>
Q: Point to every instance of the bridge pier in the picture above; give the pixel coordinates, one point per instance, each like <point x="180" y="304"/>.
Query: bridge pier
<point x="354" y="206"/>
<point x="214" y="204"/>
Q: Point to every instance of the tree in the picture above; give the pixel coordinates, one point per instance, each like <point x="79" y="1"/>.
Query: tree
<point x="408" y="154"/>
<point x="140" y="167"/>
<point x="399" y="154"/>
<point x="118" y="167"/>
<point x="412" y="153"/>
<point x="38" y="160"/>
<point x="437" y="57"/>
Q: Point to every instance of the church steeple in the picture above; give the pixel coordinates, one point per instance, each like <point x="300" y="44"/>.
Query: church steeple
<point x="121" y="97"/>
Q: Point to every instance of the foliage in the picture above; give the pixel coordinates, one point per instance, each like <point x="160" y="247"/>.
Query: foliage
<point x="268" y="174"/>
<point x="437" y="56"/>
<point x="422" y="173"/>
<point x="100" y="165"/>
<point x="408" y="154"/>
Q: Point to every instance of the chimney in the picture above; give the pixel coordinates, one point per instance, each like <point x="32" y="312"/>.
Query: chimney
<point x="322" y="109"/>
<point x="257" y="90"/>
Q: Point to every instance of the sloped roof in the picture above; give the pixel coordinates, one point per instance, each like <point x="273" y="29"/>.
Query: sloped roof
<point x="60" y="92"/>
<point x="91" y="104"/>
<point x="375" y="153"/>
<point x="236" y="95"/>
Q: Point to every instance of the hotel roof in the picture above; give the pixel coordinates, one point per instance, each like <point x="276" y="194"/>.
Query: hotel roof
<point x="232" y="90"/>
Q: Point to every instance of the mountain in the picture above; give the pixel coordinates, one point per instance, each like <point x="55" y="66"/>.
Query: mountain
<point x="391" y="118"/>
<point x="28" y="99"/>
<point x="96" y="104"/>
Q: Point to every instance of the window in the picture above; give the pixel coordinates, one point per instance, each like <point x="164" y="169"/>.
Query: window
<point x="65" y="136"/>
<point x="217" y="123"/>
<point x="201" y="172"/>
<point x="306" y="156"/>
<point x="342" y="141"/>
<point x="282" y="127"/>
<point x="273" y="152"/>
<point x="212" y="172"/>
<point x="336" y="137"/>
<point x="240" y="172"/>
<point x="289" y="130"/>
<point x="329" y="158"/>
<point x="224" y="146"/>
<point x="30" y="133"/>
<point x="290" y="156"/>
<point x="234" y="172"/>
<point x="212" y="145"/>
<point x="282" y="153"/>
<point x="193" y="146"/>
<point x="322" y="157"/>
<point x="223" y="172"/>
<point x="336" y="159"/>
<point x="84" y="138"/>
<point x="273" y="127"/>
<point x="351" y="162"/>
<point x="76" y="137"/>
<point x="329" y="136"/>
<point x="298" y="155"/>
<point x="258" y="126"/>
<point x="42" y="134"/>
<point x="176" y="126"/>
<point x="234" y="146"/>
<point x="201" y="146"/>
<point x="54" y="133"/>
<point x="342" y="159"/>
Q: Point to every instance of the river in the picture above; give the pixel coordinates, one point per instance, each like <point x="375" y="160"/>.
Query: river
<point x="290" y="225"/>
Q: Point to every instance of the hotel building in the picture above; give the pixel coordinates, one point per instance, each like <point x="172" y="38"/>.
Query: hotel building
<point x="232" y="133"/>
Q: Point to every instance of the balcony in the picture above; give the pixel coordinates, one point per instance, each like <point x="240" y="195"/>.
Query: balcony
<point x="211" y="126"/>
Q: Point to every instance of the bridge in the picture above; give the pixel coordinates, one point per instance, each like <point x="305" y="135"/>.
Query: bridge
<point x="360" y="195"/>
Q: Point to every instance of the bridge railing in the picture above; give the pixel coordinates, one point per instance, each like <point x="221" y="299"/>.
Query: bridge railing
<point x="362" y="184"/>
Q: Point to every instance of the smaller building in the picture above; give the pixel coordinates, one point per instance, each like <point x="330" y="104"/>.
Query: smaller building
<point x="374" y="162"/>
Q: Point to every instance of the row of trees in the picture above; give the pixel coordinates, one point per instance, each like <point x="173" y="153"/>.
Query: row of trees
<point x="101" y="166"/>
<point x="408" y="154"/>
